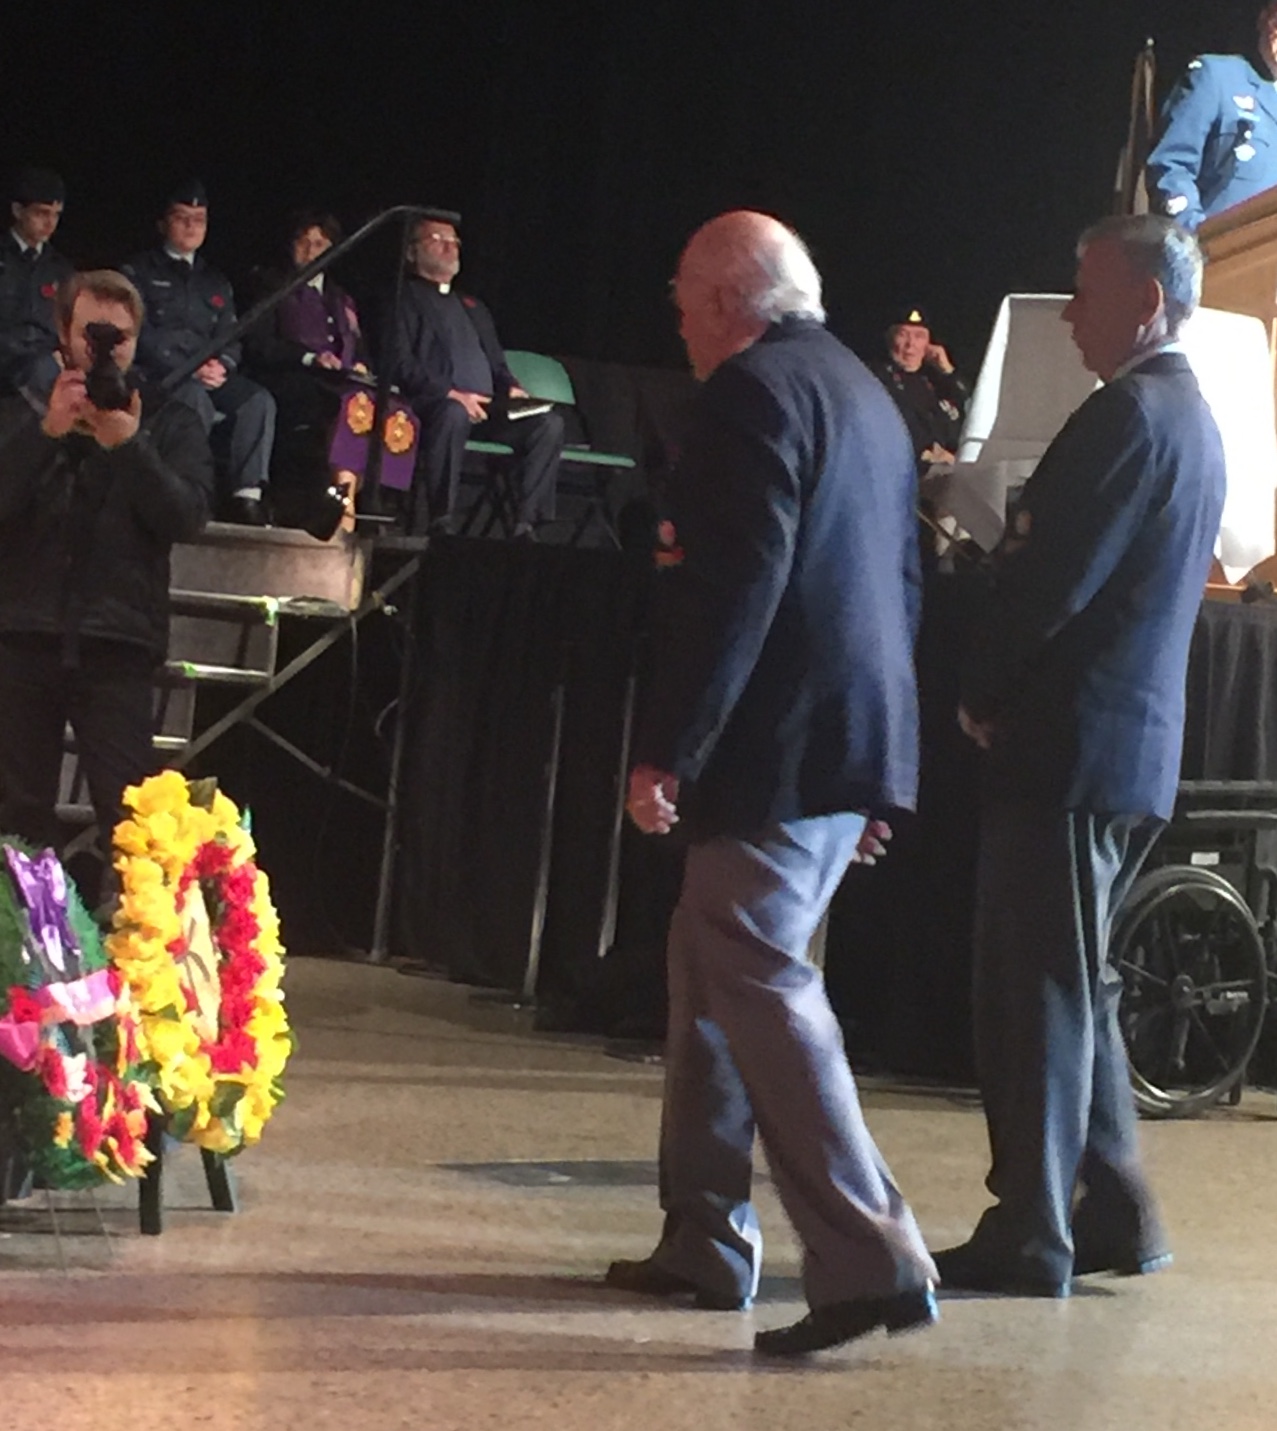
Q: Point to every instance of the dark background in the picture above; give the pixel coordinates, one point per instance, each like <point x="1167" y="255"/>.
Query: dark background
<point x="943" y="153"/>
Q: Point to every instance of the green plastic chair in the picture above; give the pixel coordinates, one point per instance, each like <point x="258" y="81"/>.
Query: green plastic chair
<point x="546" y="378"/>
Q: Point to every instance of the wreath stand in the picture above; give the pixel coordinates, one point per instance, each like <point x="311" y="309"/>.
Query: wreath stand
<point x="150" y="1198"/>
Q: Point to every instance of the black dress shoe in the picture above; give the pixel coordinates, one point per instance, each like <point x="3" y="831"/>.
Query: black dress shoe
<point x="1119" y="1234"/>
<point x="1131" y="1262"/>
<point x="840" y="1322"/>
<point x="965" y="1269"/>
<point x="246" y="512"/>
<point x="650" y="1280"/>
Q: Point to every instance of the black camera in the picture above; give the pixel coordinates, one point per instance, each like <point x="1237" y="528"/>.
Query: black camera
<point x="108" y="388"/>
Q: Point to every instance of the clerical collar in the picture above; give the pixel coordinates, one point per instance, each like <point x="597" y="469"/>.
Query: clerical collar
<point x="1138" y="360"/>
<point x="317" y="283"/>
<point x="24" y="246"/>
<point x="444" y="287"/>
<point x="180" y="257"/>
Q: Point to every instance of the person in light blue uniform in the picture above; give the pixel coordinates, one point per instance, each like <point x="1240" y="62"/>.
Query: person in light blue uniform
<point x="1217" y="142"/>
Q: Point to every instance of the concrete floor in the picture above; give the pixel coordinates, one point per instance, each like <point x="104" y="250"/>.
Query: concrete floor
<point x="424" y="1224"/>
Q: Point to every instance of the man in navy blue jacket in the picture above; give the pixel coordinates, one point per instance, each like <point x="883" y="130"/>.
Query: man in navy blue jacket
<point x="1217" y="144"/>
<point x="782" y="710"/>
<point x="1076" y="691"/>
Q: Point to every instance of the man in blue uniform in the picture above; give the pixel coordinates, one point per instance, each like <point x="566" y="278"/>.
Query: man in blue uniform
<point x="781" y="709"/>
<point x="188" y="305"/>
<point x="451" y="367"/>
<point x="1217" y="143"/>
<point x="30" y="271"/>
<point x="1076" y="692"/>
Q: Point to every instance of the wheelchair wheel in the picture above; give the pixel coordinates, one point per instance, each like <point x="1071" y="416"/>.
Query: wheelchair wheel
<point x="1195" y="988"/>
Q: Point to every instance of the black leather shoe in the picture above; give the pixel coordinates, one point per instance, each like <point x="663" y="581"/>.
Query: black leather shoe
<point x="246" y="512"/>
<point x="1119" y="1234"/>
<point x="1133" y="1262"/>
<point x="964" y="1269"/>
<point x="647" y="1278"/>
<point x="841" y="1322"/>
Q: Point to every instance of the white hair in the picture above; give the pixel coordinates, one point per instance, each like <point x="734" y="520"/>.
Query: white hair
<point x="774" y="277"/>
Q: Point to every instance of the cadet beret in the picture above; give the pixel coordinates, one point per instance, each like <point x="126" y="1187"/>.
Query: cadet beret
<point x="38" y="186"/>
<point x="191" y="192"/>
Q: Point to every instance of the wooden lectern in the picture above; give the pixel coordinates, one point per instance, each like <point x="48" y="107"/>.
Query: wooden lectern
<point x="1240" y="245"/>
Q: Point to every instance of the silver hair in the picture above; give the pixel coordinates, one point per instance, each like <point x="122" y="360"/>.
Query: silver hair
<point x="775" y="279"/>
<point x="1156" y="247"/>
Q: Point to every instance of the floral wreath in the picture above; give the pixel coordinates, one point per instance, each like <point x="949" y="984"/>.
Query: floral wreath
<point x="196" y="939"/>
<point x="75" y="1098"/>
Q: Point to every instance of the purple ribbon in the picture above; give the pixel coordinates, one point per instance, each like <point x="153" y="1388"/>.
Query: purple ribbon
<point x="43" y="887"/>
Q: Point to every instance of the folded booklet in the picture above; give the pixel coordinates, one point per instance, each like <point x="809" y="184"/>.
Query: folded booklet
<point x="515" y="408"/>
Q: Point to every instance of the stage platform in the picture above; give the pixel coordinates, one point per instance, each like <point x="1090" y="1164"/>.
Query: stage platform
<point x="425" y="1223"/>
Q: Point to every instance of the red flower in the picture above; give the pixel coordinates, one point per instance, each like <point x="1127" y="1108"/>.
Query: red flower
<point x="217" y="301"/>
<point x="49" y="290"/>
<point x="23" y="1005"/>
<point x="89" y="1127"/>
<point x="52" y="1073"/>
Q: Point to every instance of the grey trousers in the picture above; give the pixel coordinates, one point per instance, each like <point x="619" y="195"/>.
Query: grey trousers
<point x="1049" y="1052"/>
<point x="753" y="1044"/>
<point x="249" y="414"/>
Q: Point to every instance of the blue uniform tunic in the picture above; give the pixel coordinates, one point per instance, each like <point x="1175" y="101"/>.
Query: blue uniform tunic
<point x="1217" y="141"/>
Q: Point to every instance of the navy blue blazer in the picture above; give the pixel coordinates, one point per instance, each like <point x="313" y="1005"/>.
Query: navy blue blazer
<point x="1217" y="141"/>
<point x="783" y="681"/>
<point x="1081" y="662"/>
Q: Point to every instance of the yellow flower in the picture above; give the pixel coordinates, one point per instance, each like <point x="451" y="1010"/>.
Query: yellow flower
<point x="63" y="1130"/>
<point x="165" y="791"/>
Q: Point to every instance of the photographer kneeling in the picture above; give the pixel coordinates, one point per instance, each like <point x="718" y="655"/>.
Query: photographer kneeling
<point x="94" y="490"/>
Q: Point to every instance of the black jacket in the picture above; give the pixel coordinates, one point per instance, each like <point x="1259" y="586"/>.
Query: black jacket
<point x="423" y="367"/>
<point x="783" y="681"/>
<point x="28" y="332"/>
<point x="932" y="403"/>
<point x="188" y="305"/>
<point x="85" y="533"/>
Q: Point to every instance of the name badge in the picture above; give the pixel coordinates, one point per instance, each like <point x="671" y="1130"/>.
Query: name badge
<point x="1244" y="101"/>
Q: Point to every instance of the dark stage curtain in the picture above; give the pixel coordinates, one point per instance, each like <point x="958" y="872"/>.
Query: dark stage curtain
<point x="500" y="627"/>
<point x="898" y="960"/>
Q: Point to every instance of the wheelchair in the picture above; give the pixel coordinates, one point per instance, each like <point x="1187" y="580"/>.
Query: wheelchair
<point x="1195" y="943"/>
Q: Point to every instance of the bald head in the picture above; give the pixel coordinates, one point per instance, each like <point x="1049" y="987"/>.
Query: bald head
<point x="740" y="273"/>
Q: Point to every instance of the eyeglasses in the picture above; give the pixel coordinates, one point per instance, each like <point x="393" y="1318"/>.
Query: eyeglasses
<point x="449" y="239"/>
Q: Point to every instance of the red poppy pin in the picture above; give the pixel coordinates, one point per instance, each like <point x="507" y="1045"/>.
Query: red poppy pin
<point x="217" y="301"/>
<point x="470" y="302"/>
<point x="668" y="552"/>
<point x="48" y="290"/>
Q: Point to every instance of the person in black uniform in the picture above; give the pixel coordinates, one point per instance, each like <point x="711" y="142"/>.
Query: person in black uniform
<point x="91" y="500"/>
<point x="450" y="366"/>
<point x="188" y="305"/>
<point x="931" y="397"/>
<point x="30" y="271"/>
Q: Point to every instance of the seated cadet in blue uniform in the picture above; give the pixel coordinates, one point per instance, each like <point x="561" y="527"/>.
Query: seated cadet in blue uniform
<point x="450" y="366"/>
<point x="1217" y="142"/>
<point x="188" y="305"/>
<point x="30" y="271"/>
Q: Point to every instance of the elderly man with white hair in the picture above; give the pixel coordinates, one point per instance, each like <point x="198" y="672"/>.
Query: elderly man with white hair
<point x="780" y="720"/>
